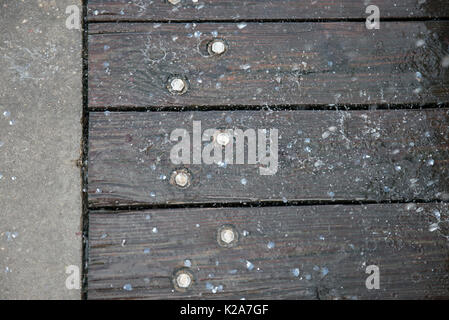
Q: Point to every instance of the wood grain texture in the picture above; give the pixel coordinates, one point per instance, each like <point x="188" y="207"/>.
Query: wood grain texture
<point x="273" y="64"/>
<point x="331" y="246"/>
<point x="162" y="10"/>
<point x="377" y="155"/>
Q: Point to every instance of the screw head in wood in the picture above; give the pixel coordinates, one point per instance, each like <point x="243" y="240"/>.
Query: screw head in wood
<point x="180" y="178"/>
<point x="177" y="85"/>
<point x="227" y="236"/>
<point x="217" y="47"/>
<point x="183" y="279"/>
<point x="223" y="138"/>
<point x="174" y="1"/>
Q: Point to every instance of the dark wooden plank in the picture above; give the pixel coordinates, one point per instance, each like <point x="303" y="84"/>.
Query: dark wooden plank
<point x="295" y="64"/>
<point x="330" y="246"/>
<point x="162" y="10"/>
<point x="376" y="155"/>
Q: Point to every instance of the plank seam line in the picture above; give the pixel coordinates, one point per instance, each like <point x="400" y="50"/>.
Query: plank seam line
<point x="188" y="108"/>
<point x="293" y="20"/>
<point x="305" y="203"/>
<point x="84" y="152"/>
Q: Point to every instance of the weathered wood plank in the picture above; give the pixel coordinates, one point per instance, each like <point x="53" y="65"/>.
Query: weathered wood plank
<point x="376" y="155"/>
<point x="295" y="64"/>
<point x="162" y="10"/>
<point x="330" y="246"/>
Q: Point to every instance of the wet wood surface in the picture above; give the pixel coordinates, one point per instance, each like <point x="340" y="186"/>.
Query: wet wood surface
<point x="162" y="10"/>
<point x="269" y="64"/>
<point x="360" y="180"/>
<point x="372" y="155"/>
<point x="306" y="252"/>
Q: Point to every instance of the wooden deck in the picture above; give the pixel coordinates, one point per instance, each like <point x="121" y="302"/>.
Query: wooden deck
<point x="362" y="174"/>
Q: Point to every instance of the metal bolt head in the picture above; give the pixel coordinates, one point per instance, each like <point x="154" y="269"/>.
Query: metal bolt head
<point x="223" y="138"/>
<point x="227" y="236"/>
<point x="180" y="178"/>
<point x="177" y="85"/>
<point x="174" y="1"/>
<point x="183" y="280"/>
<point x="217" y="47"/>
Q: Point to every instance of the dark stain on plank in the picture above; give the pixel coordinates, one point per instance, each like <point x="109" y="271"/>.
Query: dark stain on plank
<point x="273" y="64"/>
<point x="315" y="252"/>
<point x="162" y="10"/>
<point x="377" y="155"/>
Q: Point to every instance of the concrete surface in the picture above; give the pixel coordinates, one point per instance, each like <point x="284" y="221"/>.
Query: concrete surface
<point x="40" y="134"/>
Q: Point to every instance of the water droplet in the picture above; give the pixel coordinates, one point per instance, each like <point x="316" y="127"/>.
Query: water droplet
<point x="249" y="265"/>
<point x="155" y="230"/>
<point x="295" y="272"/>
<point x="437" y="214"/>
<point x="324" y="271"/>
<point x="241" y="25"/>
<point x="128" y="287"/>
<point x="433" y="227"/>
<point x="187" y="263"/>
<point x="270" y="245"/>
<point x="420" y="43"/>
<point x="11" y="235"/>
<point x="418" y="76"/>
<point x="243" y="181"/>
